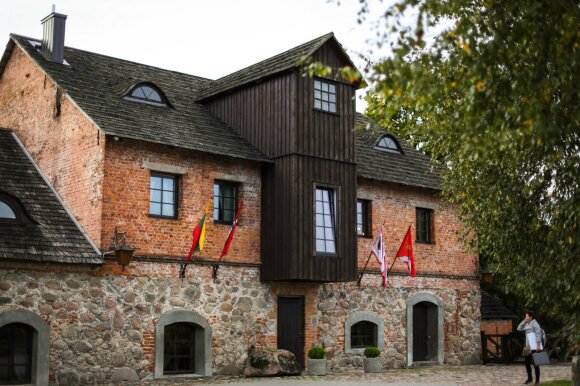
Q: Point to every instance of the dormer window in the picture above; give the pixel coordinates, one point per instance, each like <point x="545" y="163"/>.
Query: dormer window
<point x="11" y="209"/>
<point x="6" y="211"/>
<point x="324" y="96"/>
<point x="389" y="143"/>
<point x="145" y="92"/>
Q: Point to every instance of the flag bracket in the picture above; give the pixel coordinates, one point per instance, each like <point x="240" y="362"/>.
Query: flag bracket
<point x="182" y="269"/>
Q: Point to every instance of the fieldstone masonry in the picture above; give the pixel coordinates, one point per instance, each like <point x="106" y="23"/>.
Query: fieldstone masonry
<point x="99" y="325"/>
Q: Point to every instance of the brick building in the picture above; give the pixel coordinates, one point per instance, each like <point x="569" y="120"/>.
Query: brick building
<point x="139" y="150"/>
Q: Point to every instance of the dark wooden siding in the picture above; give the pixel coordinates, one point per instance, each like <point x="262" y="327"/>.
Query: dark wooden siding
<point x="323" y="134"/>
<point x="263" y="113"/>
<point x="308" y="147"/>
<point x="288" y="242"/>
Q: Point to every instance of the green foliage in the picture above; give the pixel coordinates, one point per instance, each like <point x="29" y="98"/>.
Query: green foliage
<point x="372" y="352"/>
<point x="495" y="101"/>
<point x="316" y="352"/>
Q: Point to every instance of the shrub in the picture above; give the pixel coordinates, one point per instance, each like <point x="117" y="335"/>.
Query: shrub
<point x="316" y="352"/>
<point x="372" y="352"/>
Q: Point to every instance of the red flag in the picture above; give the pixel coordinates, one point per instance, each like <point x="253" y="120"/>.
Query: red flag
<point x="198" y="236"/>
<point x="406" y="253"/>
<point x="378" y="249"/>
<point x="232" y="230"/>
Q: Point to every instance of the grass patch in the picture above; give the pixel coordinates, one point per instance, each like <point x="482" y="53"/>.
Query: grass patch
<point x="557" y="383"/>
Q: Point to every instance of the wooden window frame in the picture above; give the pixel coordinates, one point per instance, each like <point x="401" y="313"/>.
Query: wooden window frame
<point x="175" y="179"/>
<point x="328" y="93"/>
<point x="425" y="228"/>
<point x="220" y="220"/>
<point x="366" y="218"/>
<point x="28" y="361"/>
<point x="358" y="336"/>
<point x="171" y="344"/>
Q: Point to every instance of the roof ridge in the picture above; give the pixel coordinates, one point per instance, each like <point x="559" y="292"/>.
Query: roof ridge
<point x="316" y="42"/>
<point x="117" y="58"/>
<point x="325" y="36"/>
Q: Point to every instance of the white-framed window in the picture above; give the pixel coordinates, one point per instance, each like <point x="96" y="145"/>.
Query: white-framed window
<point x="325" y="202"/>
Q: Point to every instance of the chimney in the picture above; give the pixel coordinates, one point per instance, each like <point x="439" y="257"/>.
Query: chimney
<point x="53" y="37"/>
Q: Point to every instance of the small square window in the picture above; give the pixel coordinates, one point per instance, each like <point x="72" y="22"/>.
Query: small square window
<point x="224" y="201"/>
<point x="363" y="218"/>
<point x="163" y="196"/>
<point x="425" y="229"/>
<point x="324" y="96"/>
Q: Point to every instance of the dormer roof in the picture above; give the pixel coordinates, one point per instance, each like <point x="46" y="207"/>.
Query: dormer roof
<point x="410" y="167"/>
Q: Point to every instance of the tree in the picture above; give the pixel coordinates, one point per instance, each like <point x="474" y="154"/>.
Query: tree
<point x="495" y="101"/>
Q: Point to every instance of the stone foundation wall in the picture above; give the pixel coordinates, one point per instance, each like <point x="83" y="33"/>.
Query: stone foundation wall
<point x="461" y="300"/>
<point x="101" y="323"/>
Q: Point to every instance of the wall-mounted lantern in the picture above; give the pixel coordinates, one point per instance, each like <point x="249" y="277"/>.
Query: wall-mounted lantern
<point x="122" y="251"/>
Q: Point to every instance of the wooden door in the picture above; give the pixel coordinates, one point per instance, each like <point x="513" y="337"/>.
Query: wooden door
<point x="420" y="336"/>
<point x="291" y="326"/>
<point x="425" y="335"/>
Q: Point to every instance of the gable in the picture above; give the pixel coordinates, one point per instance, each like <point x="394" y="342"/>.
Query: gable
<point x="97" y="84"/>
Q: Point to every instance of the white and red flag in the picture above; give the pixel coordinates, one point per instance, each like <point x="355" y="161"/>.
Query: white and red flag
<point x="405" y="253"/>
<point x="231" y="233"/>
<point x="378" y="249"/>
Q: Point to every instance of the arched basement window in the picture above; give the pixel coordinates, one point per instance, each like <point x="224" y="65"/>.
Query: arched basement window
<point x="363" y="329"/>
<point x="179" y="350"/>
<point x="389" y="143"/>
<point x="146" y="92"/>
<point x="16" y="354"/>
<point x="182" y="344"/>
<point x="6" y="211"/>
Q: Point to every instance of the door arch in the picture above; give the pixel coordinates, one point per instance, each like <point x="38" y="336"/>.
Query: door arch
<point x="425" y="336"/>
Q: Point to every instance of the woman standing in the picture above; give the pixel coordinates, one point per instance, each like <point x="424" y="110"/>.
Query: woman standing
<point x="532" y="329"/>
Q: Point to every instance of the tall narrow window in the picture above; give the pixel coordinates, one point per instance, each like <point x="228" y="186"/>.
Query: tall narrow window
<point x="179" y="350"/>
<point x="424" y="230"/>
<point x="16" y="354"/>
<point x="325" y="221"/>
<point x="363" y="218"/>
<point x="163" y="196"/>
<point x="224" y="201"/>
<point x="324" y="96"/>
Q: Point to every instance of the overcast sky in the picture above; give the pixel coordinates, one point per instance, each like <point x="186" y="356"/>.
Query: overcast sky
<point x="209" y="38"/>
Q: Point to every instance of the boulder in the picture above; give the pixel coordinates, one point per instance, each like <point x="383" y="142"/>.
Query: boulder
<point x="124" y="374"/>
<point x="270" y="363"/>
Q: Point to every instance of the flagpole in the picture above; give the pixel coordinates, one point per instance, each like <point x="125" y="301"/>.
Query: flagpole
<point x="216" y="266"/>
<point x="364" y="269"/>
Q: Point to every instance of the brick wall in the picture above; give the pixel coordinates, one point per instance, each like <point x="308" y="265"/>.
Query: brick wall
<point x="67" y="148"/>
<point x="126" y="201"/>
<point x="393" y="207"/>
